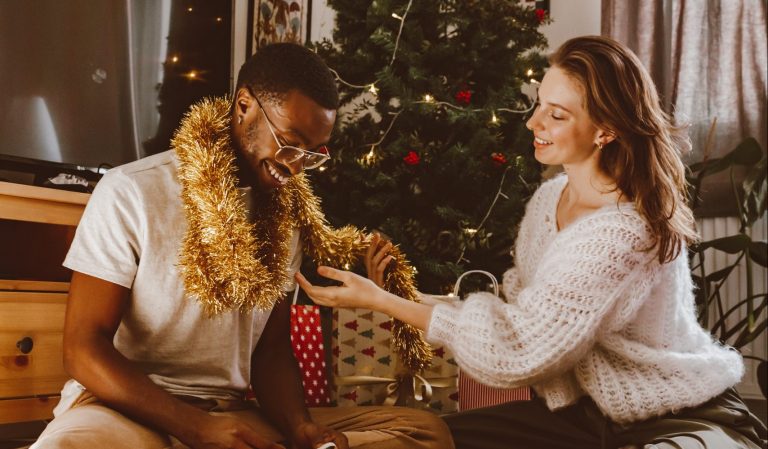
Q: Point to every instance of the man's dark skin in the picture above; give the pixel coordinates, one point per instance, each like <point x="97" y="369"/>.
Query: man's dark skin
<point x="95" y="309"/>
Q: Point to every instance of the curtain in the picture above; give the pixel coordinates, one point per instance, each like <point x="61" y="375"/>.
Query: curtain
<point x="709" y="61"/>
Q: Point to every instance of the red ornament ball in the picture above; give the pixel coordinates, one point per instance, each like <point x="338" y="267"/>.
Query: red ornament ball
<point x="463" y="96"/>
<point x="541" y="14"/>
<point x="413" y="158"/>
<point x="498" y="158"/>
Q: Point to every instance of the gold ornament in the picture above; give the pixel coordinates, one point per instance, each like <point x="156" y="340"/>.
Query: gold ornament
<point x="228" y="263"/>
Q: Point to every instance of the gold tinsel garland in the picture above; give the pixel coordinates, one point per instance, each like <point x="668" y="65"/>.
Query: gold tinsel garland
<point x="227" y="262"/>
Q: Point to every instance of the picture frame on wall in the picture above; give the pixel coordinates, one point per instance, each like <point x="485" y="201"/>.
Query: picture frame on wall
<point x="536" y="4"/>
<point x="273" y="21"/>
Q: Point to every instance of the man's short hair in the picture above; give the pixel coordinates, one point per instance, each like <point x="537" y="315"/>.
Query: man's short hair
<point x="279" y="68"/>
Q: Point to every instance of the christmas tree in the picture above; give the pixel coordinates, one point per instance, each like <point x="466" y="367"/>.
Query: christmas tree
<point x="431" y="147"/>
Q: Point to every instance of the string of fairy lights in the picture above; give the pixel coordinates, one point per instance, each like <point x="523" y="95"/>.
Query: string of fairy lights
<point x="371" y="156"/>
<point x="427" y="98"/>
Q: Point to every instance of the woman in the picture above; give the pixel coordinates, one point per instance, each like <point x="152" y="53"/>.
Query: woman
<point x="600" y="317"/>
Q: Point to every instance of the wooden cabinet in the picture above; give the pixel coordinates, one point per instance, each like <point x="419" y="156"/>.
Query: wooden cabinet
<point x="36" y="228"/>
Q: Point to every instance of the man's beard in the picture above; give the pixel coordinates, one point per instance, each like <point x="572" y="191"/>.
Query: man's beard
<point x="245" y="172"/>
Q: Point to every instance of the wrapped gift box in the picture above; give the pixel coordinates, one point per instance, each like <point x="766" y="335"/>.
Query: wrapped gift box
<point x="308" y="348"/>
<point x="442" y="376"/>
<point x="366" y="372"/>
<point x="363" y="362"/>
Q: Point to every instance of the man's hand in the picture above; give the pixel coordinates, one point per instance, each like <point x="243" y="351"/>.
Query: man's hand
<point x="311" y="435"/>
<point x="225" y="432"/>
<point x="376" y="259"/>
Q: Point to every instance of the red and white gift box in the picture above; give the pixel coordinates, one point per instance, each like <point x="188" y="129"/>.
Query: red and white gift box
<point x="308" y="348"/>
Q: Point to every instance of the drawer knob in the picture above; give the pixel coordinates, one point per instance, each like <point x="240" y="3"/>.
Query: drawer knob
<point x="25" y="345"/>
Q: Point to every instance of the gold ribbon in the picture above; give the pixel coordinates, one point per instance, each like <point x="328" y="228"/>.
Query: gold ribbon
<point x="399" y="389"/>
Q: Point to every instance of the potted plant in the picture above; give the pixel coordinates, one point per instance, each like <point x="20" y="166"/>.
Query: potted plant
<point x="715" y="313"/>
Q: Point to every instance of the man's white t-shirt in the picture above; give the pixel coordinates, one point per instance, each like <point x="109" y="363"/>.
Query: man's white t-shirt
<point x="130" y="234"/>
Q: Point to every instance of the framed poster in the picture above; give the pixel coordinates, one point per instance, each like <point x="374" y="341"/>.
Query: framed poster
<point x="273" y="21"/>
<point x="536" y="4"/>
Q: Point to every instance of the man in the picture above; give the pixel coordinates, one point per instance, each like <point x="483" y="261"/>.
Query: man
<point x="174" y="307"/>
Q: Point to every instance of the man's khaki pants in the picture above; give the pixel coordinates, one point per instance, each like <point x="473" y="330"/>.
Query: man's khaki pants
<point x="90" y="425"/>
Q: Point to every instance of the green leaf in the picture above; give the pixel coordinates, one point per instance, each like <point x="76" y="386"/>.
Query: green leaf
<point x="755" y="187"/>
<point x="732" y="330"/>
<point x="732" y="244"/>
<point x="758" y="251"/>
<point x="710" y="166"/>
<point x="748" y="152"/>
<point x="720" y="274"/>
<point x="740" y="305"/>
<point x="747" y="336"/>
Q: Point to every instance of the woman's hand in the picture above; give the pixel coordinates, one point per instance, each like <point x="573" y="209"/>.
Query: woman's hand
<point x="355" y="291"/>
<point x="376" y="259"/>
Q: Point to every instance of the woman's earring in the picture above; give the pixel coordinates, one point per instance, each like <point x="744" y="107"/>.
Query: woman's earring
<point x="599" y="146"/>
<point x="240" y="120"/>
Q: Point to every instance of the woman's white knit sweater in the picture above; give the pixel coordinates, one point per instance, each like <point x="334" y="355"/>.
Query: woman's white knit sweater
<point x="589" y="312"/>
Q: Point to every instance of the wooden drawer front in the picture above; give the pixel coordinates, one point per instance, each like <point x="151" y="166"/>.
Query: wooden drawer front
<point x="33" y="286"/>
<point x="30" y="409"/>
<point x="32" y="311"/>
<point x="39" y="316"/>
<point x="40" y="210"/>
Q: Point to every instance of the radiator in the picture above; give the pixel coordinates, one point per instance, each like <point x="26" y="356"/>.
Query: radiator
<point x="735" y="288"/>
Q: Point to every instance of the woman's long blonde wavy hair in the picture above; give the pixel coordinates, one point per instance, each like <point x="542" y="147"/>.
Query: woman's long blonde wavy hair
<point x="645" y="158"/>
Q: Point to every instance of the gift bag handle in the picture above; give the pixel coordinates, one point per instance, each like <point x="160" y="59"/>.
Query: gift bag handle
<point x="491" y="276"/>
<point x="296" y="294"/>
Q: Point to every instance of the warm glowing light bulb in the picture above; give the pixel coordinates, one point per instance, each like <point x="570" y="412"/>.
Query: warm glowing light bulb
<point x="189" y="9"/>
<point x="533" y="81"/>
<point x="494" y="119"/>
<point x="175" y="59"/>
<point x="471" y="231"/>
<point x="322" y="168"/>
<point x="371" y="155"/>
<point x="529" y="72"/>
<point x="346" y="266"/>
<point x="373" y="89"/>
<point x="396" y="16"/>
<point x="219" y="19"/>
<point x="191" y="74"/>
<point x="428" y="98"/>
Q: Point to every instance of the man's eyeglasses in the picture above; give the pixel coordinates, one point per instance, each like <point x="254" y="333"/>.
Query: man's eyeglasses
<point x="294" y="155"/>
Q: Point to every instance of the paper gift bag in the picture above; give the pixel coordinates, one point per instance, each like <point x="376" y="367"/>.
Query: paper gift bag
<point x="473" y="394"/>
<point x="307" y="342"/>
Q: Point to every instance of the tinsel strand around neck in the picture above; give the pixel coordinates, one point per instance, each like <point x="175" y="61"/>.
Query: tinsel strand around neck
<point x="228" y="263"/>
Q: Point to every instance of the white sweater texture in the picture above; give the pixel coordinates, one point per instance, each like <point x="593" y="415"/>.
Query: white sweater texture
<point x="588" y="312"/>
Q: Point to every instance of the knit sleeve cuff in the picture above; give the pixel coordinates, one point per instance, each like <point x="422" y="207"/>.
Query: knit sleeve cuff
<point x="443" y="325"/>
